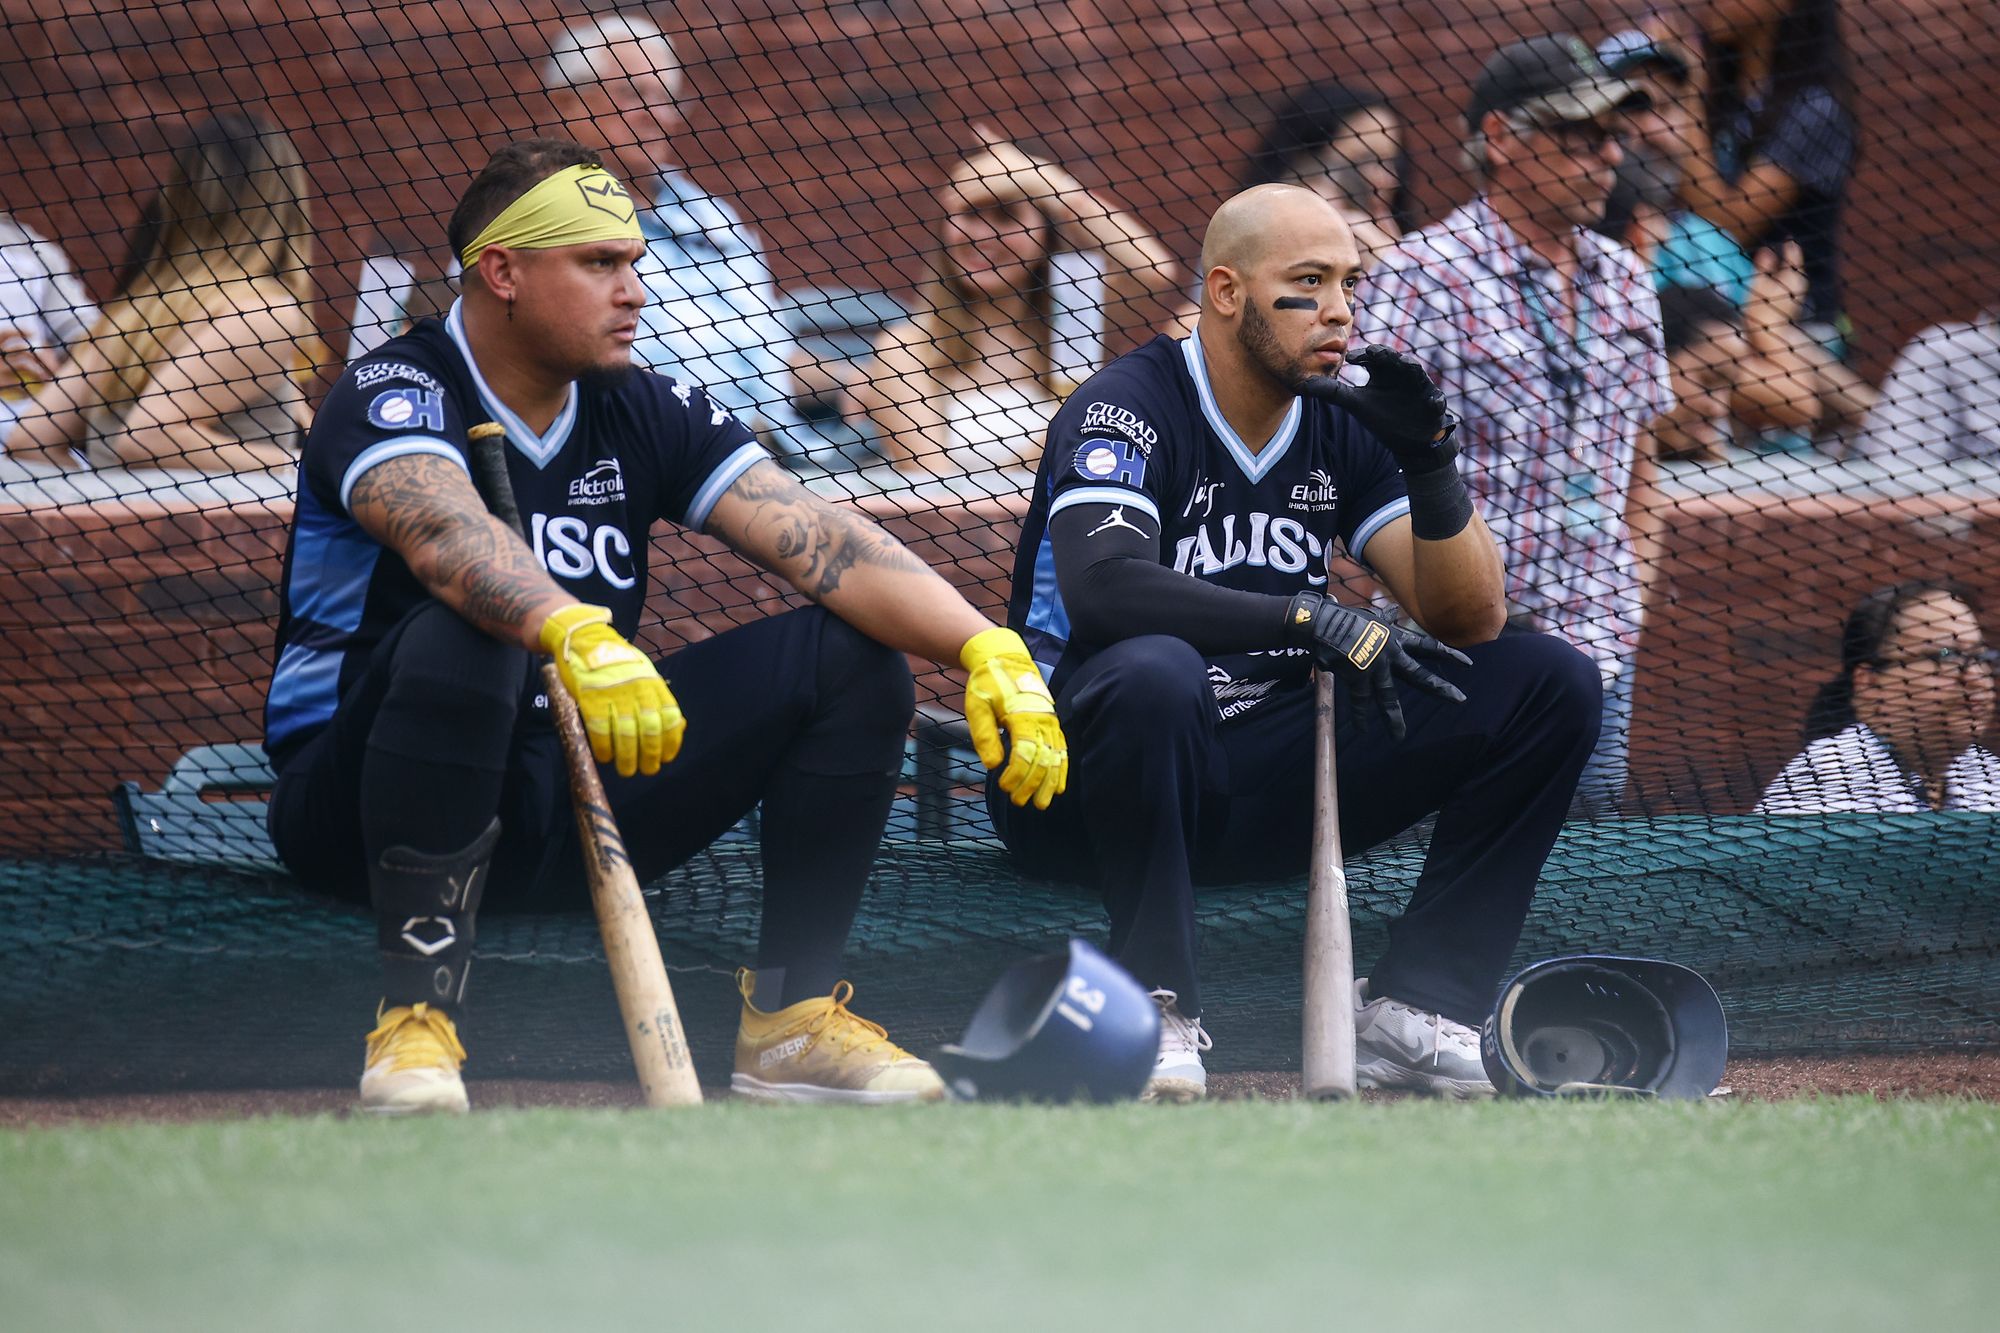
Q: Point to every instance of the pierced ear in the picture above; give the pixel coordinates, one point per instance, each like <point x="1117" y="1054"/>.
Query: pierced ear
<point x="496" y="270"/>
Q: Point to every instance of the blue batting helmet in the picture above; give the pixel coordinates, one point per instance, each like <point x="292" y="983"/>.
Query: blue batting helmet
<point x="1602" y="1023"/>
<point x="1067" y="1026"/>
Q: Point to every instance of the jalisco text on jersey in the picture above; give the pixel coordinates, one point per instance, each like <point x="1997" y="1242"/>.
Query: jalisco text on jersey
<point x="1282" y="544"/>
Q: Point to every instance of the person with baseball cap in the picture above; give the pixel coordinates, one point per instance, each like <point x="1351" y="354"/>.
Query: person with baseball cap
<point x="418" y="770"/>
<point x="1546" y="337"/>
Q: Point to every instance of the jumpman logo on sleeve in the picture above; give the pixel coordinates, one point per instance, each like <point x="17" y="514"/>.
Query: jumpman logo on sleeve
<point x="1117" y="519"/>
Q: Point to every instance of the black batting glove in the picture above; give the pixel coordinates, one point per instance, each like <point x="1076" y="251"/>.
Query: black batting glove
<point x="1369" y="654"/>
<point x="1400" y="406"/>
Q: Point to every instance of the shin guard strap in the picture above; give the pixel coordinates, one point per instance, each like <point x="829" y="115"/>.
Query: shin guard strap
<point x="426" y="909"/>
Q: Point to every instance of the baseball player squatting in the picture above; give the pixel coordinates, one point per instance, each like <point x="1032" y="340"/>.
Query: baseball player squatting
<point x="1171" y="585"/>
<point x="418" y="768"/>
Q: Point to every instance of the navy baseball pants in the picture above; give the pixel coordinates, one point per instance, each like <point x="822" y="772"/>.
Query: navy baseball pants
<point x="799" y="711"/>
<point x="1163" y="796"/>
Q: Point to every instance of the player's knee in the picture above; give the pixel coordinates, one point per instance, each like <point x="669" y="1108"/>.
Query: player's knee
<point x="442" y="654"/>
<point x="1151" y="679"/>
<point x="452" y="689"/>
<point x="1571" y="687"/>
<point x="868" y="678"/>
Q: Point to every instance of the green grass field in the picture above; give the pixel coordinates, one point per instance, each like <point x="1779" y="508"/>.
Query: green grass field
<point x="1800" y="1215"/>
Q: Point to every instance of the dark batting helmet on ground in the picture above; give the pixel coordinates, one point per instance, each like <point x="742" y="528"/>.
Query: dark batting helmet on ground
<point x="1601" y="1023"/>
<point x="1067" y="1026"/>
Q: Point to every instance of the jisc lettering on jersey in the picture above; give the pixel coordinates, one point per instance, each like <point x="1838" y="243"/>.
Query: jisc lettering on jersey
<point x="570" y="548"/>
<point x="1282" y="544"/>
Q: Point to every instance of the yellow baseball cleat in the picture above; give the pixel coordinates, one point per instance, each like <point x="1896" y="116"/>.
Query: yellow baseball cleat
<point x="822" y="1051"/>
<point x="413" y="1061"/>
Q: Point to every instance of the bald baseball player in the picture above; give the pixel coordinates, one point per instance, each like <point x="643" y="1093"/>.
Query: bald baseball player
<point x="1172" y="586"/>
<point x="418" y="769"/>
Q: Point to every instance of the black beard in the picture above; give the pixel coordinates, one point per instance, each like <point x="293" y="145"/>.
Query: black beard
<point x="1260" y="340"/>
<point x="605" y="378"/>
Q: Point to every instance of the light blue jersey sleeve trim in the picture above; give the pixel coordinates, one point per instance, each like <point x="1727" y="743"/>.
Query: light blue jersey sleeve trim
<point x="400" y="447"/>
<point x="1374" y="523"/>
<point x="720" y="480"/>
<point x="1109" y="495"/>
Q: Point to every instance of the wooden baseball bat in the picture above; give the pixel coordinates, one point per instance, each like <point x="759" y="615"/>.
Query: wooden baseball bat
<point x="631" y="946"/>
<point x="1328" y="1055"/>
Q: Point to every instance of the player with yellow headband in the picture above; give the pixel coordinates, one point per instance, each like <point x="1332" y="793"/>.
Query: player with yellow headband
<point x="576" y="206"/>
<point x="417" y="767"/>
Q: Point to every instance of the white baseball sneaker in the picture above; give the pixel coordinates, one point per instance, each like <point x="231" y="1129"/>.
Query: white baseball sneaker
<point x="1397" y="1045"/>
<point x="1178" y="1075"/>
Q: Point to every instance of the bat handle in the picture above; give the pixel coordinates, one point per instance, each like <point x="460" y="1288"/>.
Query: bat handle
<point x="487" y="444"/>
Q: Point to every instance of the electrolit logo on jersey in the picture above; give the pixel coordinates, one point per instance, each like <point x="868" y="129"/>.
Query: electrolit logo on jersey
<point x="570" y="548"/>
<point x="604" y="484"/>
<point x="1318" y="495"/>
<point x="1121" y="461"/>
<point x="1261" y="541"/>
<point x="407" y="409"/>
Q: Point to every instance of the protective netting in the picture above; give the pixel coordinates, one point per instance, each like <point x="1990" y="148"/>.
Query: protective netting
<point x="893" y="237"/>
<point x="1838" y="932"/>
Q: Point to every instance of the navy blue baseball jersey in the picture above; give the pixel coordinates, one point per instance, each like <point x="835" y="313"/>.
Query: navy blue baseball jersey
<point x="620" y="456"/>
<point x="1144" y="436"/>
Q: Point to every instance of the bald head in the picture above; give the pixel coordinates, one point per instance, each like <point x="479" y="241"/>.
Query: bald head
<point x="1267" y="220"/>
<point x="1279" y="271"/>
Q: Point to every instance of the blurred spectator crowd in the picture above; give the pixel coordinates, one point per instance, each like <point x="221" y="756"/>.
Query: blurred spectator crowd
<point x="1728" y="182"/>
<point x="1711" y="188"/>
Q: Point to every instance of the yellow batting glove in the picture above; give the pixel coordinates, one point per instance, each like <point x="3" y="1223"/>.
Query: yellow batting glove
<point x="1003" y="688"/>
<point x="628" y="711"/>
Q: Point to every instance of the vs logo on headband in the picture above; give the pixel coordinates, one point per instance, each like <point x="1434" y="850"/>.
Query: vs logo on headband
<point x="606" y="195"/>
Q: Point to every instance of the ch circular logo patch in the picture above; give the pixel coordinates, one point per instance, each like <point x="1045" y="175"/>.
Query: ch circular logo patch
<point x="1101" y="462"/>
<point x="398" y="409"/>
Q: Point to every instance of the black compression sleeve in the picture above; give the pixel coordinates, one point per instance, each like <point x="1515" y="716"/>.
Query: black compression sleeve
<point x="1114" y="587"/>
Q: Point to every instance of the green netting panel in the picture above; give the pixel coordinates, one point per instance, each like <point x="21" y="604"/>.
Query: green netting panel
<point x="1820" y="934"/>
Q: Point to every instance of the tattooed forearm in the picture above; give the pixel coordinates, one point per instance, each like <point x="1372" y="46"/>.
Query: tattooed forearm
<point x="810" y="542"/>
<point x="424" y="508"/>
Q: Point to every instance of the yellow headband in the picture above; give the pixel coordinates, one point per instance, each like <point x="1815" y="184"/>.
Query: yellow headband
<point x="575" y="206"/>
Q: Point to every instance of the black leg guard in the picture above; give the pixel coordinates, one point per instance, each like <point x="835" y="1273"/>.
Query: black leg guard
<point x="424" y="917"/>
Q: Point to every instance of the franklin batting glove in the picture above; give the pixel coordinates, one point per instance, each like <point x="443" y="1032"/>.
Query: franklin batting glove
<point x="1004" y="688"/>
<point x="1368" y="654"/>
<point x="628" y="711"/>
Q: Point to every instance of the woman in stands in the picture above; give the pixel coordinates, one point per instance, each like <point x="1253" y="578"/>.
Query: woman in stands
<point x="1347" y="145"/>
<point x="194" y="363"/>
<point x="1897" y="731"/>
<point x="968" y="386"/>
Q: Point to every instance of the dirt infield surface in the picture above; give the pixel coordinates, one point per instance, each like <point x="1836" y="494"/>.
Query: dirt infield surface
<point x="1974" y="1074"/>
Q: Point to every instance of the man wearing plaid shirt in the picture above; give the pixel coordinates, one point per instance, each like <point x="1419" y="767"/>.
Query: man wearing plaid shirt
<point x="1546" y="337"/>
